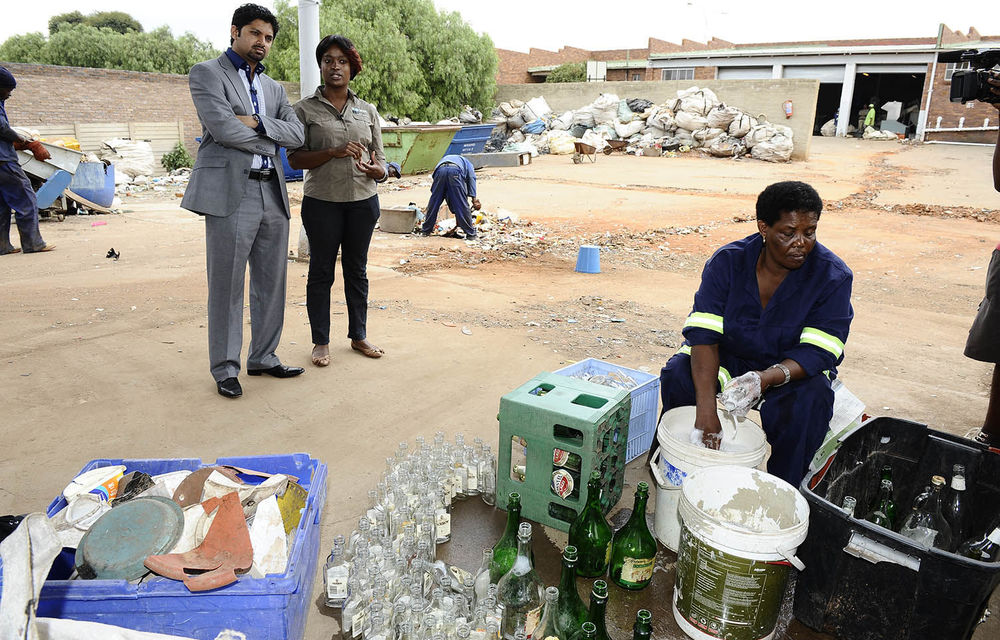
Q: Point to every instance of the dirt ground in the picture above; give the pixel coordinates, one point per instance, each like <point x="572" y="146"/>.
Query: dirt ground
<point x="107" y="359"/>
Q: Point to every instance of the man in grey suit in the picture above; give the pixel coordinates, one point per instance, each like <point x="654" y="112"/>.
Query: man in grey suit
<point x="239" y="187"/>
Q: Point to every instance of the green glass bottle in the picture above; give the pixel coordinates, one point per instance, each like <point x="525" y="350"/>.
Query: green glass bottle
<point x="590" y="533"/>
<point x="588" y="631"/>
<point x="505" y="550"/>
<point x="598" y="609"/>
<point x="570" y="612"/>
<point x="643" y="627"/>
<point x="884" y="512"/>
<point x="633" y="552"/>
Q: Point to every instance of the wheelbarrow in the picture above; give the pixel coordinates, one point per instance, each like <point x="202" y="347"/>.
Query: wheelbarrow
<point x="615" y="145"/>
<point x="583" y="150"/>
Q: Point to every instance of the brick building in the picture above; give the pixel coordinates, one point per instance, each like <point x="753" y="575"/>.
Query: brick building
<point x="903" y="77"/>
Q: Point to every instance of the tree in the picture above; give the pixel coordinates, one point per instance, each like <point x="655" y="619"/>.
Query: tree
<point x="418" y="62"/>
<point x="29" y="47"/>
<point x="115" y="20"/>
<point x="72" y="17"/>
<point x="568" y="72"/>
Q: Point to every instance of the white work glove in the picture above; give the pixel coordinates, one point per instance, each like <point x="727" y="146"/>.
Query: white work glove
<point x="741" y="393"/>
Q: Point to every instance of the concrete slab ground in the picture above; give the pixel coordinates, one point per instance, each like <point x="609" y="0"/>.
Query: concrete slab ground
<point x="103" y="358"/>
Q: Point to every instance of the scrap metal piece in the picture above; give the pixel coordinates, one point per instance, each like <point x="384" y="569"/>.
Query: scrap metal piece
<point x="225" y="552"/>
<point x="120" y="540"/>
<point x="291" y="504"/>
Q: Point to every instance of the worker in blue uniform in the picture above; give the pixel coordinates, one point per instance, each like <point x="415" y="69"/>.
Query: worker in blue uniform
<point x="454" y="181"/>
<point x="15" y="189"/>
<point x="768" y="328"/>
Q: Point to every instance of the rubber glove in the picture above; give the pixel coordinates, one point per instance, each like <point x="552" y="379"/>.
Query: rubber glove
<point x="38" y="150"/>
<point x="741" y="393"/>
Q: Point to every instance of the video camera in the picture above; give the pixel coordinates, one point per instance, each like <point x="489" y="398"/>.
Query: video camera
<point x="971" y="84"/>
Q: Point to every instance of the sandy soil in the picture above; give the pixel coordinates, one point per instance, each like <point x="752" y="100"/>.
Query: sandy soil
<point x="104" y="358"/>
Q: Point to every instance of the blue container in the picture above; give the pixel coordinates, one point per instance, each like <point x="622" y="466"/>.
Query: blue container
<point x="588" y="260"/>
<point x="94" y="181"/>
<point x="471" y="138"/>
<point x="645" y="402"/>
<point x="273" y="607"/>
<point x="291" y="175"/>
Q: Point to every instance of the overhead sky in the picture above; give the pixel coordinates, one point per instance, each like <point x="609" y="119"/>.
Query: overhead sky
<point x="588" y="24"/>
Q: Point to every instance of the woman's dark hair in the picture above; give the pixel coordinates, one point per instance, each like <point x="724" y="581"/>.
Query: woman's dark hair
<point x="785" y="197"/>
<point x="344" y="44"/>
<point x="247" y="13"/>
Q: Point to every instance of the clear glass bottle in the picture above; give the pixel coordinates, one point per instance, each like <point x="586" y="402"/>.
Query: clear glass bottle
<point x="570" y="610"/>
<point x="955" y="509"/>
<point x="590" y="533"/>
<point x="352" y="615"/>
<point x="472" y="485"/>
<point x="482" y="577"/>
<point x="643" y="627"/>
<point x="926" y="525"/>
<point x="488" y="476"/>
<point x="547" y="624"/>
<point x="336" y="573"/>
<point x="633" y="551"/>
<point x="505" y="550"/>
<point x="442" y="513"/>
<point x="850" y="505"/>
<point x="520" y="590"/>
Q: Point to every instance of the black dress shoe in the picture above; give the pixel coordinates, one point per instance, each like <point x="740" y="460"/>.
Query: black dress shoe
<point x="278" y="371"/>
<point x="229" y="388"/>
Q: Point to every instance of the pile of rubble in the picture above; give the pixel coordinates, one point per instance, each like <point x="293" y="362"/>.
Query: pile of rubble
<point x="696" y="119"/>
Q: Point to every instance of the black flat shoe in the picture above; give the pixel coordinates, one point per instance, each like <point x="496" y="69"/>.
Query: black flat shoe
<point x="278" y="371"/>
<point x="229" y="388"/>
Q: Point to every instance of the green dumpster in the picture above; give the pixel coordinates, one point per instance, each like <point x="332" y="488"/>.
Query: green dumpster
<point x="417" y="148"/>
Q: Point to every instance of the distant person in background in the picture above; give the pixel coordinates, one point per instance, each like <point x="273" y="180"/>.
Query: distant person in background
<point x="870" y="116"/>
<point x="454" y="182"/>
<point x="345" y="161"/>
<point x="15" y="188"/>
<point x="983" y="343"/>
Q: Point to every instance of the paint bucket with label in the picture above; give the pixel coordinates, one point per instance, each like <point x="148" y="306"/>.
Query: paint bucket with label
<point x="740" y="530"/>
<point x="743" y="444"/>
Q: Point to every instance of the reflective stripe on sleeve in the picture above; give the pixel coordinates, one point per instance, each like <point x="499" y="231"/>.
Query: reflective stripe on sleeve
<point x="823" y="340"/>
<point x="685" y="349"/>
<point x="704" y="321"/>
<point x="724" y="377"/>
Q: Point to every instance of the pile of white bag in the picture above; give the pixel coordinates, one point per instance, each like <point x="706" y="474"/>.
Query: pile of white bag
<point x="696" y="119"/>
<point x="130" y="157"/>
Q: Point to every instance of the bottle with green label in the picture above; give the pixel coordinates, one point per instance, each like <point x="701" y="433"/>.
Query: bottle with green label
<point x="633" y="552"/>
<point x="520" y="590"/>
<point x="505" y="550"/>
<point x="570" y="612"/>
<point x="643" y="627"/>
<point x="591" y="534"/>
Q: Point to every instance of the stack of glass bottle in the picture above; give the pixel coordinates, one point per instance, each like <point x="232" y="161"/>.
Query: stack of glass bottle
<point x="386" y="579"/>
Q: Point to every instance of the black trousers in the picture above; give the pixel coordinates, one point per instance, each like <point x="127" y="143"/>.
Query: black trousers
<point x="344" y="227"/>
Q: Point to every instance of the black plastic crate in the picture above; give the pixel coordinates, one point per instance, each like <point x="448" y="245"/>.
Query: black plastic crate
<point x="864" y="582"/>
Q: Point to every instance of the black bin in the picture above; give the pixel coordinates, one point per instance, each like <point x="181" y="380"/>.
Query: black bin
<point x="864" y="582"/>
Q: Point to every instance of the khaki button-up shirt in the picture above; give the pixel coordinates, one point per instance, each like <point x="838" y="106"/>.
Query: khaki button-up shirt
<point x="338" y="179"/>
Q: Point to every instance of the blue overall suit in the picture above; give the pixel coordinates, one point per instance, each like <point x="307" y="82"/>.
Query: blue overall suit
<point x="454" y="181"/>
<point x="807" y="320"/>
<point x="16" y="193"/>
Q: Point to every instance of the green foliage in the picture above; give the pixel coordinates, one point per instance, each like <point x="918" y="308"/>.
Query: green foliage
<point x="177" y="158"/>
<point x="29" y="47"/>
<point x="115" y="20"/>
<point x="73" y="17"/>
<point x="81" y="45"/>
<point x="568" y="72"/>
<point x="418" y="62"/>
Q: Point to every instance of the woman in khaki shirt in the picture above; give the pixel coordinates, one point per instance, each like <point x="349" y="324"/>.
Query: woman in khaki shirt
<point x="344" y="158"/>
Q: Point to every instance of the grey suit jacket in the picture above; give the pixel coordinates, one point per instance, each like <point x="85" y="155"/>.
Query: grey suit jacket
<point x="219" y="177"/>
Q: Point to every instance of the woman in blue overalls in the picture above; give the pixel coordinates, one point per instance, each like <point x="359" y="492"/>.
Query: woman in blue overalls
<point x="770" y="320"/>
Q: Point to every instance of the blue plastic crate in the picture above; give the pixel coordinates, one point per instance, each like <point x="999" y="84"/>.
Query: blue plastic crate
<point x="471" y="138"/>
<point x="273" y="607"/>
<point x="645" y="402"/>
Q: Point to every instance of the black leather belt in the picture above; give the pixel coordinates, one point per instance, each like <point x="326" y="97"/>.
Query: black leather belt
<point x="261" y="174"/>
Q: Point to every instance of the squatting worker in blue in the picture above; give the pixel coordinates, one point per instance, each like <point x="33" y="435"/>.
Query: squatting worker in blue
<point x="769" y="323"/>
<point x="454" y="181"/>
<point x="15" y="188"/>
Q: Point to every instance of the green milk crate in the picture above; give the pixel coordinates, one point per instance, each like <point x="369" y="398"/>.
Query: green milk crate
<point x="554" y="431"/>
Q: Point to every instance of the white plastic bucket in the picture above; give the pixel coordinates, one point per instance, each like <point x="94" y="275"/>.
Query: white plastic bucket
<point x="740" y="530"/>
<point x="744" y="445"/>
